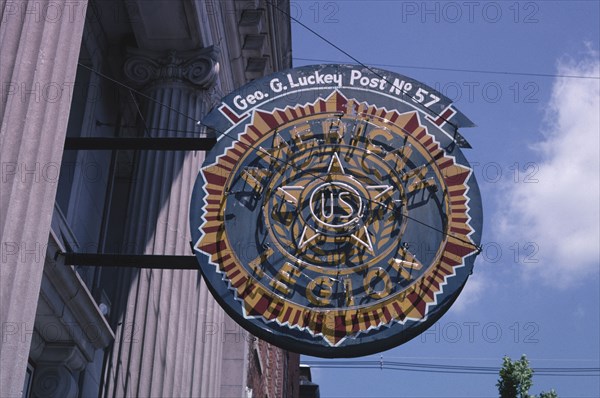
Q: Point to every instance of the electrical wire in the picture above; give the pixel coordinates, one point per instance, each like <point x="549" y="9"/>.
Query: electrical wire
<point x="440" y="368"/>
<point x="137" y="107"/>
<point x="493" y="359"/>
<point x="533" y="74"/>
<point x="134" y="126"/>
<point x="125" y="86"/>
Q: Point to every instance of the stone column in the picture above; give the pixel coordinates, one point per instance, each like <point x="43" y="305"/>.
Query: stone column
<point x="40" y="43"/>
<point x="167" y="344"/>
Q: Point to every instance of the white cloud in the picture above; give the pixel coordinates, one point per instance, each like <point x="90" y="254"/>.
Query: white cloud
<point x="475" y="288"/>
<point x="560" y="213"/>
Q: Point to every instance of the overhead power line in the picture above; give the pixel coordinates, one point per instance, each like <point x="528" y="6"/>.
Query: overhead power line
<point x="490" y="72"/>
<point x="448" y="369"/>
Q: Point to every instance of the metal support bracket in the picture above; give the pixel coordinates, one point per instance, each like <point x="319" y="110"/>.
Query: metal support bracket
<point x="151" y="261"/>
<point x="139" y="143"/>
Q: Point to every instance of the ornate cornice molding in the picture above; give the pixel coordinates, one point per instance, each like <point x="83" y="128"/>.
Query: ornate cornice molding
<point x="197" y="67"/>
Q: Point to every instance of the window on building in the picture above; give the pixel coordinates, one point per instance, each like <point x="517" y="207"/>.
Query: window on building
<point x="84" y="188"/>
<point x="27" y="382"/>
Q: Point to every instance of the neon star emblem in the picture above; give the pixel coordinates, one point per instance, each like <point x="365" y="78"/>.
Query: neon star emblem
<point x="336" y="205"/>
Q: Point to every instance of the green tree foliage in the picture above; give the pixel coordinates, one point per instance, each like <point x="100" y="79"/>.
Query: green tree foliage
<point x="516" y="380"/>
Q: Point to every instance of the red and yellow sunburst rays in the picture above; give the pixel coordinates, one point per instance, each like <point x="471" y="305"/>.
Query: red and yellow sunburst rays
<point x="335" y="325"/>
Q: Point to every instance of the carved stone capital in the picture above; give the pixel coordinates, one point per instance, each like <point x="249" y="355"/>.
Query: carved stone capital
<point x="197" y="67"/>
<point x="54" y="381"/>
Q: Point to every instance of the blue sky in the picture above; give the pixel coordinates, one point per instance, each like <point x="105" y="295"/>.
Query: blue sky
<point x="536" y="286"/>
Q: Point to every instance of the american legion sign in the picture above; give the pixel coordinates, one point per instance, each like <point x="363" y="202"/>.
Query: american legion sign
<point x="336" y="216"/>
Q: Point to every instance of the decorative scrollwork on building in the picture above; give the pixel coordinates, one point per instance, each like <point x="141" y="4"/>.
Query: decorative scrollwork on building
<point x="54" y="381"/>
<point x="197" y="67"/>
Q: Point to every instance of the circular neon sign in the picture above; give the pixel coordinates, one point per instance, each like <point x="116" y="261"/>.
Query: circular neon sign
<point x="336" y="216"/>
